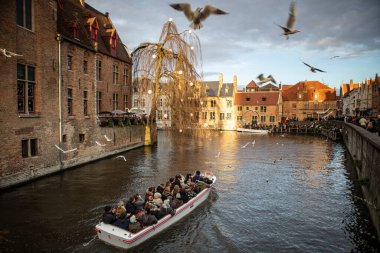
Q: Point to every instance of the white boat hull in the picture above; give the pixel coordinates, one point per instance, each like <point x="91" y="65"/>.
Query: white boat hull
<point x="253" y="131"/>
<point x="124" y="239"/>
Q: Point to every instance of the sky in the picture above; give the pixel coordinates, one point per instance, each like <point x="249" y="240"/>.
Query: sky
<point x="247" y="42"/>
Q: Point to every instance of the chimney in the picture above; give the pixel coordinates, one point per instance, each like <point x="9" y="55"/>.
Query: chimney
<point x="235" y="83"/>
<point x="220" y="83"/>
<point x="351" y="82"/>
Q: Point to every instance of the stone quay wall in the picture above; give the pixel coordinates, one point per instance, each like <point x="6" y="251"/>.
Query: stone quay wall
<point x="364" y="148"/>
<point x="120" y="139"/>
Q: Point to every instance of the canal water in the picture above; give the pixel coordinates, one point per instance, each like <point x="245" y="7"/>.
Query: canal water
<point x="273" y="194"/>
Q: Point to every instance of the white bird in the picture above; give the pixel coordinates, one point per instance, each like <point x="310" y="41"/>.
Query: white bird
<point x="66" y="151"/>
<point x="245" y="145"/>
<point x="108" y="139"/>
<point x="313" y="69"/>
<point x="217" y="155"/>
<point x="265" y="80"/>
<point x="7" y="53"/>
<point x="253" y="143"/>
<point x="99" y="144"/>
<point x="289" y="29"/>
<point x="197" y="16"/>
<point x="121" y="156"/>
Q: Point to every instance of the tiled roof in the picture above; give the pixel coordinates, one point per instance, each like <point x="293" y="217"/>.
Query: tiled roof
<point x="251" y="85"/>
<point x="212" y="88"/>
<point x="308" y="89"/>
<point x="256" y="98"/>
<point x="269" y="86"/>
<point x="73" y="11"/>
<point x="227" y="90"/>
<point x="286" y="86"/>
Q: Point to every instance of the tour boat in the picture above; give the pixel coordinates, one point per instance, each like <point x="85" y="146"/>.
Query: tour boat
<point x="253" y="131"/>
<point x="124" y="239"/>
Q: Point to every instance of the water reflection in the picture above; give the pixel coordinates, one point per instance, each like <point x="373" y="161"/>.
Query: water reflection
<point x="291" y="194"/>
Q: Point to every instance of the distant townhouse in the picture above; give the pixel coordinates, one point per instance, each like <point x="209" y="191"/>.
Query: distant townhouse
<point x="309" y="99"/>
<point x="217" y="109"/>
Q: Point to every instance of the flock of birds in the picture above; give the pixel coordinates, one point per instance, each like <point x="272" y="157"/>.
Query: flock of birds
<point x="200" y="14"/>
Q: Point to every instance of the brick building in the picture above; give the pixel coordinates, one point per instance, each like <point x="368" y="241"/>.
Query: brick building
<point x="71" y="40"/>
<point x="309" y="99"/>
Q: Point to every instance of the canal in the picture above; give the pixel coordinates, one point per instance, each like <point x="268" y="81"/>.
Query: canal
<point x="273" y="194"/>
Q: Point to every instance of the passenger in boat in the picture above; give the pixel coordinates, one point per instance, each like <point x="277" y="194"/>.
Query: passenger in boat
<point x="175" y="190"/>
<point x="197" y="176"/>
<point x="122" y="221"/>
<point x="160" y="188"/>
<point x="130" y="207"/>
<point x="178" y="179"/>
<point x="166" y="209"/>
<point x="138" y="202"/>
<point x="149" y="192"/>
<point x="188" y="179"/>
<point x="134" y="226"/>
<point x="171" y="180"/>
<point x="120" y="209"/>
<point x="177" y="201"/>
<point x="166" y="193"/>
<point x="157" y="199"/>
<point x="201" y="185"/>
<point x="153" y="208"/>
<point x="109" y="215"/>
<point x="184" y="196"/>
<point x="148" y="218"/>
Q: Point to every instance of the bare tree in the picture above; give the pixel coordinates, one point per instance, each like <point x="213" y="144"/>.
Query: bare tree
<point x="173" y="65"/>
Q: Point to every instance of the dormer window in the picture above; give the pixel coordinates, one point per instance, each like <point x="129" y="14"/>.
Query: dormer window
<point x="93" y="27"/>
<point x="75" y="29"/>
<point x="113" y="43"/>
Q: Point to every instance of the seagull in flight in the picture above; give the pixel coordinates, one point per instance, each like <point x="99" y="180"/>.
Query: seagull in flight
<point x="108" y="139"/>
<point x="265" y="80"/>
<point x="99" y="144"/>
<point x="121" y="156"/>
<point x="7" y="53"/>
<point x="335" y="56"/>
<point x="289" y="29"/>
<point x="313" y="69"/>
<point x="200" y="14"/>
<point x="66" y="151"/>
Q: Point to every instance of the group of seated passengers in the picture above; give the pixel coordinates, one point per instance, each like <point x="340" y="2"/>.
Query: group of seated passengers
<point x="137" y="213"/>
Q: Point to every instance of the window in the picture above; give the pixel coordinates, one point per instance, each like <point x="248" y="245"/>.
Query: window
<point x="125" y="102"/>
<point x="229" y="116"/>
<point x="85" y="66"/>
<point x="81" y="137"/>
<point x="85" y="102"/>
<point x="196" y="115"/>
<point x="229" y="103"/>
<point x="213" y="103"/>
<point x="24" y="13"/>
<point x="205" y="103"/>
<point x="221" y="116"/>
<point x="98" y="101"/>
<point x="64" y="138"/>
<point x="240" y="108"/>
<point x="294" y="105"/>
<point x="75" y="29"/>
<point x="161" y="102"/>
<point x="159" y="114"/>
<point x="272" y="118"/>
<point x="115" y="74"/>
<point x="69" y="62"/>
<point x="263" y="118"/>
<point x="143" y="102"/>
<point x="247" y="99"/>
<point x="70" y="101"/>
<point x="212" y="115"/>
<point x="239" y="118"/>
<point x="254" y="119"/>
<point x="167" y="114"/>
<point x="29" y="148"/>
<point x="94" y="30"/>
<point x="204" y="115"/>
<point x="115" y="98"/>
<point x="247" y="108"/>
<point x="25" y="88"/>
<point x="136" y="102"/>
<point x="263" y="99"/>
<point x="125" y="75"/>
<point x="306" y="105"/>
<point x="113" y="43"/>
<point x="98" y="70"/>
<point x="256" y="108"/>
<point x="263" y="108"/>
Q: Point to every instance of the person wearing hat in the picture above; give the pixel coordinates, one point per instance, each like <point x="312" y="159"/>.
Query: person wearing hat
<point x="134" y="226"/>
<point x="177" y="201"/>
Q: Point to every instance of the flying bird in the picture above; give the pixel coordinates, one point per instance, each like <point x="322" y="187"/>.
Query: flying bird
<point x="200" y="14"/>
<point x="289" y="29"/>
<point x="7" y="53"/>
<point x="99" y="144"/>
<point x="108" y="139"/>
<point x="121" y="156"/>
<point x="265" y="80"/>
<point x="335" y="56"/>
<point x="313" y="69"/>
<point x="65" y="151"/>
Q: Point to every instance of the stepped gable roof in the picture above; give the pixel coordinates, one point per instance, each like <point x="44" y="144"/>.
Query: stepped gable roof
<point x="256" y="98"/>
<point x="227" y="90"/>
<point x="251" y="85"/>
<point x="347" y="87"/>
<point x="212" y="88"/>
<point x="308" y="89"/>
<point x="73" y="14"/>
<point x="269" y="86"/>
